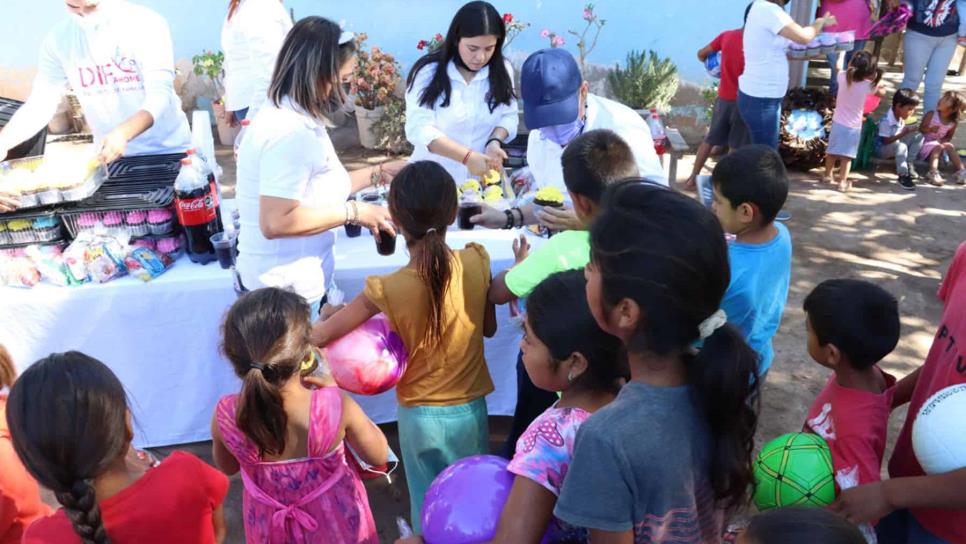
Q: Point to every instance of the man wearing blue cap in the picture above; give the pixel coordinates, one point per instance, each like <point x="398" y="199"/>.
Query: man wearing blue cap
<point x="557" y="108"/>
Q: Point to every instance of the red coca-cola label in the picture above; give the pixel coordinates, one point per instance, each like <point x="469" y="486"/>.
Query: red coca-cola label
<point x="195" y="211"/>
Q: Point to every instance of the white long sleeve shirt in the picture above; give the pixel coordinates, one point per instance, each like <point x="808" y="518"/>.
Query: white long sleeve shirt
<point x="467" y="120"/>
<point x="122" y="65"/>
<point x="251" y="41"/>
<point x="543" y="155"/>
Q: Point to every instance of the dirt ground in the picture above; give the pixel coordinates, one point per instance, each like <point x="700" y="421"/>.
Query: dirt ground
<point x="901" y="240"/>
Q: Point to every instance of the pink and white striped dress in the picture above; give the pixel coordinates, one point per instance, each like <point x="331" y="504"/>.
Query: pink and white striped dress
<point x="314" y="499"/>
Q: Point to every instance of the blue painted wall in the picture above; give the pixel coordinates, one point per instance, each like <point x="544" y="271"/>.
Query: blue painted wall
<point x="675" y="28"/>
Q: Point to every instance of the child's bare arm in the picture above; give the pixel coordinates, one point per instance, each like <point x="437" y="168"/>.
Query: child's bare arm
<point x="218" y="520"/>
<point x="924" y="125"/>
<point x="951" y="134"/>
<point x="904" y="389"/>
<point x="344" y="321"/>
<point x="527" y="496"/>
<point x="870" y="502"/>
<point x="704" y="52"/>
<point x="362" y="434"/>
<point x="489" y="320"/>
<point x="223" y="458"/>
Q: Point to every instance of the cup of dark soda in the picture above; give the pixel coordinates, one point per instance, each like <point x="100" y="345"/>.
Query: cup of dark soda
<point x="386" y="243"/>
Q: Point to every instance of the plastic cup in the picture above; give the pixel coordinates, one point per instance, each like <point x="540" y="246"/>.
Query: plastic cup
<point x="466" y="211"/>
<point x="224" y="244"/>
<point x="386" y="243"/>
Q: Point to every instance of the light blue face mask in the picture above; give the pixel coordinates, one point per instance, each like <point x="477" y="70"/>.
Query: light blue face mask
<point x="563" y="134"/>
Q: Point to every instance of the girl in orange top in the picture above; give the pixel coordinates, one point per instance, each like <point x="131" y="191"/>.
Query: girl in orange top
<point x="437" y="303"/>
<point x="20" y="502"/>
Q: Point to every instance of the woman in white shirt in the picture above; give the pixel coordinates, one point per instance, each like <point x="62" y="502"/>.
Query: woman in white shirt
<point x="764" y="82"/>
<point x="118" y="59"/>
<point x="292" y="190"/>
<point x="460" y="105"/>
<point x="251" y="36"/>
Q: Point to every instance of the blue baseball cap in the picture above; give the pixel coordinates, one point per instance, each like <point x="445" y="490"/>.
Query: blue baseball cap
<point x="550" y="84"/>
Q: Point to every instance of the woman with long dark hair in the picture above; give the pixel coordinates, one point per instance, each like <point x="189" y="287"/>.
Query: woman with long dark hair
<point x="292" y="189"/>
<point x="460" y="103"/>
<point x="251" y="36"/>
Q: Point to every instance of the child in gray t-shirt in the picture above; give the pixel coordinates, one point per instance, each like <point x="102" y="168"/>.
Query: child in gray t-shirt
<point x="672" y="454"/>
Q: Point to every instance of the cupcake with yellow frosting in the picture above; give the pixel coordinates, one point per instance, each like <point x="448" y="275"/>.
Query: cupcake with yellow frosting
<point x="491" y="178"/>
<point x="549" y="197"/>
<point x="470" y="186"/>
<point x="19" y="230"/>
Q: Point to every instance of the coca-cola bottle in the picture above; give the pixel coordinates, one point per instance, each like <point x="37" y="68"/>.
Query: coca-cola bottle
<point x="658" y="134"/>
<point x="194" y="202"/>
<point x="203" y="164"/>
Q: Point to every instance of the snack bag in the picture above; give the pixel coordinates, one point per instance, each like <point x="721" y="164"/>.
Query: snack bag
<point x="50" y="264"/>
<point x="146" y="264"/>
<point x="104" y="261"/>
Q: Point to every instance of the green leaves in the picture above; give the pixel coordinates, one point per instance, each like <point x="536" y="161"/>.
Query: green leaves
<point x="647" y="81"/>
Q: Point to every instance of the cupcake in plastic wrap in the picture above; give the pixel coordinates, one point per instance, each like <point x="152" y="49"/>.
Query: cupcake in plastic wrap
<point x="137" y="223"/>
<point x="160" y="221"/>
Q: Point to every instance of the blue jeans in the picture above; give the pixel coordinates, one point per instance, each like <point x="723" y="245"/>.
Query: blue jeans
<point x="833" y="83"/>
<point x="900" y="527"/>
<point x="434" y="437"/>
<point x="762" y="116"/>
<point x="961" y="9"/>
<point x="930" y="55"/>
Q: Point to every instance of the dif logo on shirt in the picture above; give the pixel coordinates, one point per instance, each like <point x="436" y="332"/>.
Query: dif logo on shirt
<point x="117" y="72"/>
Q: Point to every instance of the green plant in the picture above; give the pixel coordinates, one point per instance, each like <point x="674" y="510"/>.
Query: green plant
<point x="212" y="65"/>
<point x="647" y="81"/>
<point x="710" y="95"/>
<point x="390" y="129"/>
<point x="376" y="75"/>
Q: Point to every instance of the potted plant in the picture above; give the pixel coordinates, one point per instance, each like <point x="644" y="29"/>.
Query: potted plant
<point x="647" y="81"/>
<point x="390" y="129"/>
<point x="376" y="78"/>
<point x="211" y="65"/>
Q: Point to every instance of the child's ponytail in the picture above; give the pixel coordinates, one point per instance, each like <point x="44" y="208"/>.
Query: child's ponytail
<point x="724" y="375"/>
<point x="68" y="423"/>
<point x="435" y="267"/>
<point x="667" y="254"/>
<point x="266" y="338"/>
<point x="863" y="67"/>
<point x="422" y="202"/>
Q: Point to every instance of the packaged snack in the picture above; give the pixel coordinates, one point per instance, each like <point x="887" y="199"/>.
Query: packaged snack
<point x="146" y="264"/>
<point x="50" y="264"/>
<point x="104" y="261"/>
<point x="18" y="272"/>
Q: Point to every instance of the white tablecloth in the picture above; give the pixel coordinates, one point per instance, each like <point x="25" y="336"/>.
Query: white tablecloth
<point x="161" y="338"/>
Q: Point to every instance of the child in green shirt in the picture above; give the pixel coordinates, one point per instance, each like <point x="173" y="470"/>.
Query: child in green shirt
<point x="590" y="163"/>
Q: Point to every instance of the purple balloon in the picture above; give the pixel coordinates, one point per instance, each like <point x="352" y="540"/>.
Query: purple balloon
<point x="464" y="503"/>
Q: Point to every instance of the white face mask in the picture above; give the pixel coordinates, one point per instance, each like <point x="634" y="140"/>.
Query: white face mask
<point x="94" y="19"/>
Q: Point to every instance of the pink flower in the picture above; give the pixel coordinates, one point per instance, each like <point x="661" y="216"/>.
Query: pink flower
<point x="545" y="33"/>
<point x="588" y="14"/>
<point x="557" y="41"/>
<point x="421" y="45"/>
<point x="508" y="18"/>
<point x="438" y="37"/>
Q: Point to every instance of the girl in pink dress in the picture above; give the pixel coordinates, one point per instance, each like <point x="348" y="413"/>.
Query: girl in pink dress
<point x="285" y="438"/>
<point x="938" y="129"/>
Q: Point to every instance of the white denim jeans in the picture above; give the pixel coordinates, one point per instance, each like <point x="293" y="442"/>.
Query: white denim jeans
<point x="930" y="55"/>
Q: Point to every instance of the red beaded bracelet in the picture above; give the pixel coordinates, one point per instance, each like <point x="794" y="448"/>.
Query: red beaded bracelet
<point x="466" y="158"/>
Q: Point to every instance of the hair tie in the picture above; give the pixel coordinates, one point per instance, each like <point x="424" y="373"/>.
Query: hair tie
<point x="256" y="366"/>
<point x="714" y="322"/>
<point x="429" y="230"/>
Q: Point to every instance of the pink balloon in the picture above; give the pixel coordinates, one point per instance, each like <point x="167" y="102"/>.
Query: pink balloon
<point x="369" y="360"/>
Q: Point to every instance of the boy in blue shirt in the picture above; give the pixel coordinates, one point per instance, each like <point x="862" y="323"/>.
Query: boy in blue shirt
<point x="750" y="187"/>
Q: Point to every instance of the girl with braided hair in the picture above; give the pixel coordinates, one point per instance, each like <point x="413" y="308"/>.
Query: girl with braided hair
<point x="71" y="428"/>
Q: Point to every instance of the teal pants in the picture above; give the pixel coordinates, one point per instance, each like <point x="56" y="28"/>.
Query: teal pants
<point x="432" y="438"/>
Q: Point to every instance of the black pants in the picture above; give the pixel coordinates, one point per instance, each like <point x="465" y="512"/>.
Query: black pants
<point x="531" y="402"/>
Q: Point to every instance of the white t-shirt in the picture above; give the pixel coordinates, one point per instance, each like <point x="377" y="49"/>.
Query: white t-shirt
<point x="766" y="63"/>
<point x="251" y="41"/>
<point x="467" y="120"/>
<point x="122" y="65"/>
<point x="889" y="126"/>
<point x="543" y="155"/>
<point x="287" y="154"/>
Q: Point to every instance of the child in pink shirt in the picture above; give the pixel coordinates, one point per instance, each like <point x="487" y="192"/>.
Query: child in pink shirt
<point x="855" y="84"/>
<point x="852" y="325"/>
